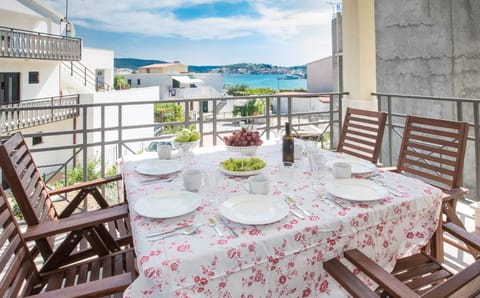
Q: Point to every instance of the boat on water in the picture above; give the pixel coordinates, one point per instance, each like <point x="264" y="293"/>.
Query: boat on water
<point x="289" y="77"/>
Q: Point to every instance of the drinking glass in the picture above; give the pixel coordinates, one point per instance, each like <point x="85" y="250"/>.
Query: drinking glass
<point x="212" y="177"/>
<point x="278" y="135"/>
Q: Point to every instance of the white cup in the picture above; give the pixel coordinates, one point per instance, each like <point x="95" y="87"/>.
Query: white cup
<point x="192" y="179"/>
<point x="164" y="150"/>
<point x="258" y="184"/>
<point x="342" y="170"/>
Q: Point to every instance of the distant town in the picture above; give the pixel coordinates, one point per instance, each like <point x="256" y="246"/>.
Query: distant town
<point x="239" y="68"/>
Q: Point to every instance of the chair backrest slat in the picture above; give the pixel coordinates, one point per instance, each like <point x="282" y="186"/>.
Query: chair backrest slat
<point x="24" y="179"/>
<point x="434" y="149"/>
<point x="17" y="268"/>
<point x="362" y="134"/>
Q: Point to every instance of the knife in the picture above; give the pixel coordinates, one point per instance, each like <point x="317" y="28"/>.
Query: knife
<point x="171" y="231"/>
<point x="297" y="214"/>
<point x="222" y="220"/>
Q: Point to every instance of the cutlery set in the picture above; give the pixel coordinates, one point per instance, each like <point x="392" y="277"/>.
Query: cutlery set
<point x="155" y="179"/>
<point x="330" y="202"/>
<point x="293" y="203"/>
<point x="394" y="191"/>
<point x="192" y="229"/>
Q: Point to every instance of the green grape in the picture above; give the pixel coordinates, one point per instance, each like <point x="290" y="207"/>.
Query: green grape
<point x="249" y="164"/>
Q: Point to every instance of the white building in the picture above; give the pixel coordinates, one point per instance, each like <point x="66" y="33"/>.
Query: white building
<point x="41" y="63"/>
<point x="320" y="75"/>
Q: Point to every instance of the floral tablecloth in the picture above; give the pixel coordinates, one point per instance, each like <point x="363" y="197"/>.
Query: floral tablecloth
<point x="279" y="259"/>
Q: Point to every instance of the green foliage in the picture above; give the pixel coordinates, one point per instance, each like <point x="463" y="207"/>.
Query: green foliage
<point x="168" y="112"/>
<point x="75" y="175"/>
<point x="16" y="210"/>
<point x="120" y="83"/>
<point x="244" y="90"/>
<point x="252" y="108"/>
<point x="238" y="90"/>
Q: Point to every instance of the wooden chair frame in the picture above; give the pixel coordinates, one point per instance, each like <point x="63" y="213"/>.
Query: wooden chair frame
<point x="434" y="150"/>
<point x="110" y="274"/>
<point x="419" y="275"/>
<point x="102" y="232"/>
<point x="362" y="134"/>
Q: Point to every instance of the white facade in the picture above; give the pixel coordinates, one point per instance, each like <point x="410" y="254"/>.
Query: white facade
<point x="210" y="84"/>
<point x="54" y="79"/>
<point x="320" y="75"/>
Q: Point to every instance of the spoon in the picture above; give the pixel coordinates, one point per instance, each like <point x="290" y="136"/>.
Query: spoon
<point x="292" y="202"/>
<point x="187" y="231"/>
<point x="213" y="223"/>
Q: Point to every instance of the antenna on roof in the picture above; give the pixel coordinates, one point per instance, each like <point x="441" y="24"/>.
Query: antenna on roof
<point x="336" y="7"/>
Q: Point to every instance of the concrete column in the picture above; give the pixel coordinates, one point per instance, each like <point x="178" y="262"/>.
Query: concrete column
<point x="359" y="72"/>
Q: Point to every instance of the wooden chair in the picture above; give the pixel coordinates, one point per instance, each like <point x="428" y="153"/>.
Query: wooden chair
<point x="362" y="134"/>
<point x="434" y="150"/>
<point x="19" y="277"/>
<point x="419" y="275"/>
<point x="101" y="232"/>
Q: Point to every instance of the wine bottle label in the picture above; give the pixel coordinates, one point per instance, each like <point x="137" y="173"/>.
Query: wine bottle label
<point x="288" y="151"/>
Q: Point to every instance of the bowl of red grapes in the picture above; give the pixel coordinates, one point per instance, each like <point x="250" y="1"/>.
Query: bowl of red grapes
<point x="243" y="141"/>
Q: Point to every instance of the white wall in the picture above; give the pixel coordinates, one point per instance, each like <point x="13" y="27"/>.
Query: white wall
<point x="48" y="76"/>
<point x="102" y="59"/>
<point x="131" y="115"/>
<point x="213" y="80"/>
<point x="320" y="75"/>
<point x="43" y="159"/>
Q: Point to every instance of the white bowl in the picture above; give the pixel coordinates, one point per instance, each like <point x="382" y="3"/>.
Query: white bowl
<point x="244" y="150"/>
<point x="185" y="146"/>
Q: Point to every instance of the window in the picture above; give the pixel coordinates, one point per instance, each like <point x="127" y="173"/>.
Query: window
<point x="138" y="81"/>
<point x="37" y="140"/>
<point x="33" y="77"/>
<point x="129" y="82"/>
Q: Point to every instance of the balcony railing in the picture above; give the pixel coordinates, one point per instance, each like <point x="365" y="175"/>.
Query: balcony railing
<point x="111" y="136"/>
<point x="30" y="113"/>
<point x="16" y="43"/>
<point x="112" y="139"/>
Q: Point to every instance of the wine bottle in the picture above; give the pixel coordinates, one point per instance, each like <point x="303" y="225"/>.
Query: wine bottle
<point x="287" y="146"/>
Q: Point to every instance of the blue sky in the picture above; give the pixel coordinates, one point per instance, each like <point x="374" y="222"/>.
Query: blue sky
<point x="205" y="32"/>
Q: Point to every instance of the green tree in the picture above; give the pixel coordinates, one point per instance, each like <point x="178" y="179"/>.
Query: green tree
<point x="120" y="83"/>
<point x="168" y="112"/>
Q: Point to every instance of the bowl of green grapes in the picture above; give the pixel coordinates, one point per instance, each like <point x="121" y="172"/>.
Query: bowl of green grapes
<point x="243" y="166"/>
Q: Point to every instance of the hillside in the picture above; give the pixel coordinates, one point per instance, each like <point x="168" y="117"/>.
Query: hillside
<point x="250" y="68"/>
<point x="134" y="64"/>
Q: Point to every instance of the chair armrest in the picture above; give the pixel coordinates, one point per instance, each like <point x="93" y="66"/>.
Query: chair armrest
<point x="347" y="279"/>
<point x="454" y="193"/>
<point x="86" y="184"/>
<point x="104" y="286"/>
<point x="461" y="234"/>
<point x="75" y="222"/>
<point x="388" y="282"/>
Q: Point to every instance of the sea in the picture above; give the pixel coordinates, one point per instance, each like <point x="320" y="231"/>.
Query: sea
<point x="276" y="82"/>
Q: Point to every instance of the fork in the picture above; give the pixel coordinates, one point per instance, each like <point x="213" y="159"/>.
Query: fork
<point x="213" y="223"/>
<point x="292" y="202"/>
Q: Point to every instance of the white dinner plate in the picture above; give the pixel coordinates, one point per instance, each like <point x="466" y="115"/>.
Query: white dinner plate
<point x="254" y="209"/>
<point x="356" y="189"/>
<point x="359" y="166"/>
<point x="158" y="167"/>
<point x="167" y="204"/>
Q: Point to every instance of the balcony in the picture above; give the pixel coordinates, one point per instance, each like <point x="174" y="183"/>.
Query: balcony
<point x="15" y="43"/>
<point x="112" y="137"/>
<point x="31" y="113"/>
